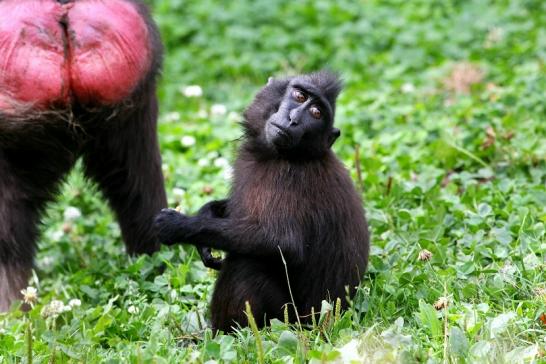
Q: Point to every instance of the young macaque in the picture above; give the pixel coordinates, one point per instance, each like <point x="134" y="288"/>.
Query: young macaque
<point x="291" y="198"/>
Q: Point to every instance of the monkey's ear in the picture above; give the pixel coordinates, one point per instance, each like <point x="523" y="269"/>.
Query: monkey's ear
<point x="334" y="134"/>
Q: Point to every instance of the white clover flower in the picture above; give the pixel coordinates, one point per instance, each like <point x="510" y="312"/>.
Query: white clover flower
<point x="424" y="255"/>
<point x="442" y="303"/>
<point x="47" y="261"/>
<point x="30" y="295"/>
<point x="218" y="110"/>
<point x="195" y="357"/>
<point x="132" y="309"/>
<point x="188" y="140"/>
<point x="508" y="269"/>
<point x="408" y="88"/>
<point x="221" y="162"/>
<point x="172" y="116"/>
<point x="72" y="213"/>
<point x="212" y="155"/>
<point x="202" y="114"/>
<point x="228" y="173"/>
<point x="234" y="117"/>
<point x="74" y="303"/>
<point x="192" y="91"/>
<point x="203" y="162"/>
<point x="53" y="309"/>
<point x="57" y="235"/>
<point x="494" y="36"/>
<point x="179" y="193"/>
<point x="540" y="292"/>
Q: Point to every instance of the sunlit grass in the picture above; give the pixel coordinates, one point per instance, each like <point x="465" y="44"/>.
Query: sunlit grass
<point x="443" y="128"/>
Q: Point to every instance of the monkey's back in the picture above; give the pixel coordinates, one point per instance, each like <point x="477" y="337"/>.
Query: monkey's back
<point x="318" y="200"/>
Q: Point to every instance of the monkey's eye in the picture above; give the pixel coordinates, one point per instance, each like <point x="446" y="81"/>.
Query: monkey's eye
<point x="299" y="96"/>
<point x="315" y="112"/>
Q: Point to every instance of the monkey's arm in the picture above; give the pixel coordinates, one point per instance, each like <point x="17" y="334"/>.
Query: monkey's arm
<point x="227" y="234"/>
<point x="213" y="209"/>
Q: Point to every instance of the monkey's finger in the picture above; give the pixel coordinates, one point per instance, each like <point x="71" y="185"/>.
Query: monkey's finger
<point x="214" y="263"/>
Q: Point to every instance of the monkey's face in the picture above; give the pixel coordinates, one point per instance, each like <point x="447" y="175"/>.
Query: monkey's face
<point x="303" y="122"/>
<point x="293" y="117"/>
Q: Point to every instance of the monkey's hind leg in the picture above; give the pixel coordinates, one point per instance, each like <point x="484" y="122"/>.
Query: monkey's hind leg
<point x="19" y="215"/>
<point x="243" y="281"/>
<point x="123" y="158"/>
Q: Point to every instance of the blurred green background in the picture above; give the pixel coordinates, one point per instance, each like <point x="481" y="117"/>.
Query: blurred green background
<point x="443" y="114"/>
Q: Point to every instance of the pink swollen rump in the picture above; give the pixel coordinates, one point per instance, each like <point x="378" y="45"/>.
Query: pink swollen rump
<point x="90" y="51"/>
<point x="32" y="62"/>
<point x="109" y="50"/>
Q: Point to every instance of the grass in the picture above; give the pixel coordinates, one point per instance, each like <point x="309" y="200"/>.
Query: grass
<point x="444" y="131"/>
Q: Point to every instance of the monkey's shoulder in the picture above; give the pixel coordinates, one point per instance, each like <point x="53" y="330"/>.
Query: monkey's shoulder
<point x="294" y="190"/>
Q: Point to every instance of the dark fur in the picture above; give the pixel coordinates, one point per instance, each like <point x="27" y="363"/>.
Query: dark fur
<point x="304" y="204"/>
<point x="120" y="153"/>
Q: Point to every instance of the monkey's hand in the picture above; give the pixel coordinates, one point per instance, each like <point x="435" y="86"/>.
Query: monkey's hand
<point x="214" y="209"/>
<point x="171" y="226"/>
<point x="208" y="259"/>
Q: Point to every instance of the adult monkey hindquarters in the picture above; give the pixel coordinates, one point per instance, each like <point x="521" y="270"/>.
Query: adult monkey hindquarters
<point x="76" y="79"/>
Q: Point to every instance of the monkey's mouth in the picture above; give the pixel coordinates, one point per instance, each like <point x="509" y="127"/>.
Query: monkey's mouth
<point x="282" y="132"/>
<point x="280" y="137"/>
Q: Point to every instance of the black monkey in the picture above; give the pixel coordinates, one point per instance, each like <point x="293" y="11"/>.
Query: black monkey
<point x="290" y="192"/>
<point x="77" y="78"/>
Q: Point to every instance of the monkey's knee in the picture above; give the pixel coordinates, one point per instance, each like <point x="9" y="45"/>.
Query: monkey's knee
<point x="265" y="297"/>
<point x="228" y="303"/>
<point x="227" y="316"/>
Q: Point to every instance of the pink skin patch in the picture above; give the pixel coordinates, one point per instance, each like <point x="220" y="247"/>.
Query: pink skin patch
<point x="97" y="57"/>
<point x="31" y="53"/>
<point x="108" y="48"/>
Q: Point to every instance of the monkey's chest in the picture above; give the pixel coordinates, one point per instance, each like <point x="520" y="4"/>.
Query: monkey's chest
<point x="262" y="200"/>
<point x="91" y="51"/>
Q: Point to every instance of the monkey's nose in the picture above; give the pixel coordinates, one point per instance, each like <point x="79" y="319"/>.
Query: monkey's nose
<point x="64" y="1"/>
<point x="293" y="117"/>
